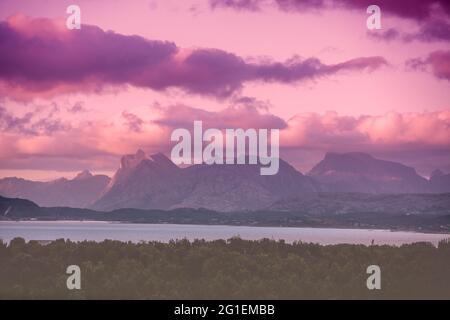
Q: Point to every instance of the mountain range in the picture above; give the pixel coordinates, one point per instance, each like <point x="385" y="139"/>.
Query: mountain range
<point x="154" y="182"/>
<point x="79" y="192"/>
<point x="360" y="172"/>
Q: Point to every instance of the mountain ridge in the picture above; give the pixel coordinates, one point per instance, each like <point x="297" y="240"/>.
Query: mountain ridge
<point x="155" y="182"/>
<point x="360" y="172"/>
<point x="78" y="192"/>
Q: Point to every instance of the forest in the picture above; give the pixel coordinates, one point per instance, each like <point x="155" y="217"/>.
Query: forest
<point x="222" y="269"/>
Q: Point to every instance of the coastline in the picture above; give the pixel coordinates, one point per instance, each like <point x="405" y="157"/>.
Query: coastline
<point x="426" y="231"/>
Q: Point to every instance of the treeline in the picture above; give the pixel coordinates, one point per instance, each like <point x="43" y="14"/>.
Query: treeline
<point x="231" y="269"/>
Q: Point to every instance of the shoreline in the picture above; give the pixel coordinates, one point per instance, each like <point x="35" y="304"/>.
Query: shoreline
<point x="231" y="225"/>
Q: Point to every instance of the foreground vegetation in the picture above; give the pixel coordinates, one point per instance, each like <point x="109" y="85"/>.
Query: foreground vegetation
<point x="232" y="269"/>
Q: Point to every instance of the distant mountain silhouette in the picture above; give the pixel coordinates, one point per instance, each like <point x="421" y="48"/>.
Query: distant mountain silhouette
<point x="360" y="172"/>
<point x="439" y="182"/>
<point x="143" y="182"/>
<point x="79" y="192"/>
<point x="155" y="182"/>
<point x="13" y="206"/>
<point x="242" y="187"/>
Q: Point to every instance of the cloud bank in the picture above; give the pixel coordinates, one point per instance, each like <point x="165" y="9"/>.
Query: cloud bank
<point x="393" y="131"/>
<point x="412" y="9"/>
<point x="430" y="31"/>
<point x="98" y="144"/>
<point x="437" y="62"/>
<point x="39" y="57"/>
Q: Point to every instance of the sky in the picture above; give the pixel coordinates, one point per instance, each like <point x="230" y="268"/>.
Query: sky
<point x="80" y="99"/>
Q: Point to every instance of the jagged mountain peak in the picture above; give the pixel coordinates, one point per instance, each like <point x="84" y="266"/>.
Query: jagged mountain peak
<point x="155" y="182"/>
<point x="85" y="174"/>
<point x="162" y="160"/>
<point x="159" y="159"/>
<point x="132" y="160"/>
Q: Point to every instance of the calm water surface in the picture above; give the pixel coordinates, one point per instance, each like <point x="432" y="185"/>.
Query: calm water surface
<point x="99" y="231"/>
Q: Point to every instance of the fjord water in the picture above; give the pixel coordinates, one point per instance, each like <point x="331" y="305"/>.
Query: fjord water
<point x="99" y="231"/>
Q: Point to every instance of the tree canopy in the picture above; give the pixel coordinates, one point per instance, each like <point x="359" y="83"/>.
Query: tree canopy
<point x="222" y="269"/>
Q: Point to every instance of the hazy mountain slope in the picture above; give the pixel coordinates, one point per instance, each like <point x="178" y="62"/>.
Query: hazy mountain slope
<point x="79" y="192"/>
<point x="144" y="182"/>
<point x="359" y="172"/>
<point x="156" y="183"/>
<point x="241" y="187"/>
<point x="439" y="182"/>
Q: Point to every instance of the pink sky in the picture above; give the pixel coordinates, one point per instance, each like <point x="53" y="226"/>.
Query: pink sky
<point x="76" y="99"/>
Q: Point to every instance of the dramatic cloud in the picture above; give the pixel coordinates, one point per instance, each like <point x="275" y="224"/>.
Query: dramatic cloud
<point x="78" y="107"/>
<point x="433" y="16"/>
<point x="392" y="131"/>
<point x="437" y="62"/>
<point x="133" y="122"/>
<point x="39" y="57"/>
<point x="413" y="9"/>
<point x="237" y="116"/>
<point x="328" y="131"/>
<point x="430" y="30"/>
<point x="252" y="5"/>
<point x="422" y="139"/>
<point x="433" y="30"/>
<point x="386" y="35"/>
<point x="97" y="145"/>
<point x="34" y="122"/>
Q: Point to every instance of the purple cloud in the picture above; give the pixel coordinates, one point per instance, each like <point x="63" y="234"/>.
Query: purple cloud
<point x="78" y="107"/>
<point x="31" y="123"/>
<point x="438" y="62"/>
<point x="413" y="9"/>
<point x="385" y="35"/>
<point x="433" y="30"/>
<point x="133" y="122"/>
<point x="430" y="31"/>
<point x="236" y="116"/>
<point x="41" y="58"/>
<point x="252" y="5"/>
